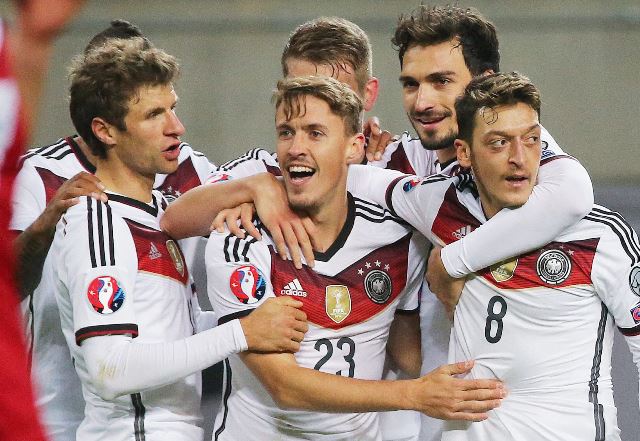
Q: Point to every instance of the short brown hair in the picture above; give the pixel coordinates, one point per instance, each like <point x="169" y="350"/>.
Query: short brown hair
<point x="331" y="41"/>
<point x="104" y="80"/>
<point x="489" y="91"/>
<point x="342" y="101"/>
<point x="427" y="26"/>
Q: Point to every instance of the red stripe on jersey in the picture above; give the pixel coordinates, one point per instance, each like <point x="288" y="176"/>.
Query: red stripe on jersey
<point x="51" y="181"/>
<point x="311" y="288"/>
<point x="275" y="171"/>
<point x="158" y="253"/>
<point x="182" y="180"/>
<point x="531" y="270"/>
<point x="571" y="264"/>
<point x="400" y="162"/>
<point x="453" y="221"/>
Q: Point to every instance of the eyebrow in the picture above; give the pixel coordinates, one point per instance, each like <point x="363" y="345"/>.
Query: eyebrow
<point x="432" y="76"/>
<point x="507" y="135"/>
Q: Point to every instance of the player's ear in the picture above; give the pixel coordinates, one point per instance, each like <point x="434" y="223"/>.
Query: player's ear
<point x="104" y="131"/>
<point x="370" y="93"/>
<point x="355" y="150"/>
<point x="463" y="152"/>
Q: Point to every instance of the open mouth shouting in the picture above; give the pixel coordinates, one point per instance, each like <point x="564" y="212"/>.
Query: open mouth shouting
<point x="300" y="174"/>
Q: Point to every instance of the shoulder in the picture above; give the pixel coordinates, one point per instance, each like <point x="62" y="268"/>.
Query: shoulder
<point x="254" y="161"/>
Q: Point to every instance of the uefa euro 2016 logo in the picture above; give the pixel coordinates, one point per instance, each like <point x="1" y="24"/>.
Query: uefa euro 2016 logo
<point x="248" y="284"/>
<point x="105" y="295"/>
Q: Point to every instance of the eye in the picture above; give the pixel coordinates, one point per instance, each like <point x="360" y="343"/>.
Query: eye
<point x="285" y="133"/>
<point x="532" y="140"/>
<point x="316" y="134"/>
<point x="499" y="143"/>
<point x="409" y="84"/>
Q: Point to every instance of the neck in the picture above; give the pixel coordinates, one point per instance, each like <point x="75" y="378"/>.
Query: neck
<point x="122" y="180"/>
<point x="446" y="155"/>
<point x="328" y="221"/>
<point x="86" y="150"/>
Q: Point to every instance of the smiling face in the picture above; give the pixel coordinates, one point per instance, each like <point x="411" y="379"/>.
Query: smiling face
<point x="149" y="144"/>
<point x="432" y="77"/>
<point x="504" y="155"/>
<point x="313" y="150"/>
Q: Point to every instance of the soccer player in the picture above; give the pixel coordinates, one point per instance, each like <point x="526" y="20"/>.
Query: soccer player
<point x="24" y="56"/>
<point x="128" y="312"/>
<point x="562" y="299"/>
<point x="50" y="180"/>
<point x="365" y="270"/>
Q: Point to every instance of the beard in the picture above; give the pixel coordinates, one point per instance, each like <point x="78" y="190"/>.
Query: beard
<point x="439" y="143"/>
<point x="432" y="143"/>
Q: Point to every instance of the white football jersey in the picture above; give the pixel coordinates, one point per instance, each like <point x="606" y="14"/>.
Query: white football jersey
<point x="116" y="273"/>
<point x="350" y="298"/>
<point x="541" y="322"/>
<point x="43" y="171"/>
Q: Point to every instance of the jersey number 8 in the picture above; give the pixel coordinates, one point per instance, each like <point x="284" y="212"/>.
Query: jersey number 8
<point x="495" y="316"/>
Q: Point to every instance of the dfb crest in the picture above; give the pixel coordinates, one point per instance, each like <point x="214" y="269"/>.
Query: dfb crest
<point x="248" y="284"/>
<point x="377" y="285"/>
<point x="105" y="294"/>
<point x="553" y="267"/>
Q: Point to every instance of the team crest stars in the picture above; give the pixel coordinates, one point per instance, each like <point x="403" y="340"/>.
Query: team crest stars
<point x="360" y="272"/>
<point x="367" y="264"/>
<point x="377" y="262"/>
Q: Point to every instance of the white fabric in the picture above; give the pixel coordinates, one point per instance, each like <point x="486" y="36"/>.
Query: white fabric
<point x="117" y="274"/>
<point x="58" y="390"/>
<point x="561" y="376"/>
<point x="358" y="347"/>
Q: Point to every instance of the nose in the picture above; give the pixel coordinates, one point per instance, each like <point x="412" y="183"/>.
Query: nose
<point x="174" y="126"/>
<point x="297" y="146"/>
<point x="424" y="98"/>
<point x="516" y="155"/>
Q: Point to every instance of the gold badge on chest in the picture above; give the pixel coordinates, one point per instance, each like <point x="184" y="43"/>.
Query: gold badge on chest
<point x="176" y="256"/>
<point x="503" y="271"/>
<point x="337" y="302"/>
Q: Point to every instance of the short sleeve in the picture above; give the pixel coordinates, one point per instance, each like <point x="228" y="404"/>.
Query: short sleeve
<point x="29" y="198"/>
<point x="99" y="268"/>
<point x="616" y="271"/>
<point x="238" y="275"/>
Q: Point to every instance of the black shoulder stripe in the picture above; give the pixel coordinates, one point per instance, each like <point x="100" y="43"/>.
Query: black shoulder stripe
<point x="59" y="149"/>
<point x="232" y="252"/>
<point x="617" y="223"/>
<point x="100" y="224"/>
<point x="373" y="209"/>
<point x="61" y="155"/>
<point x="138" y="422"/>
<point x="90" y="232"/>
<point x="379" y="220"/>
<point x="434" y="178"/>
<point x="251" y="154"/>
<point x="37" y="151"/>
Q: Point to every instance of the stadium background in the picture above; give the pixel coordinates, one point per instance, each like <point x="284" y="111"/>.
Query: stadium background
<point x="582" y="54"/>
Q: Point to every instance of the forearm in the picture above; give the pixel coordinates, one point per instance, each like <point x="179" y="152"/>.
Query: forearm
<point x="308" y="389"/>
<point x="129" y="367"/>
<point x="563" y="196"/>
<point x="31" y="248"/>
<point x="193" y="212"/>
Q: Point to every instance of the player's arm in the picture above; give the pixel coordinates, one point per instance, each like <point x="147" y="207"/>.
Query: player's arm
<point x="616" y="276"/>
<point x="404" y="344"/>
<point x="562" y="196"/>
<point x="204" y="203"/>
<point x="120" y="365"/>
<point x="36" y="225"/>
<point x="439" y="394"/>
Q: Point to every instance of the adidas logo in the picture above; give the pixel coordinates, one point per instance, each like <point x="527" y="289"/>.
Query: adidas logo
<point x="293" y="288"/>
<point x="462" y="232"/>
<point x="153" y="252"/>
